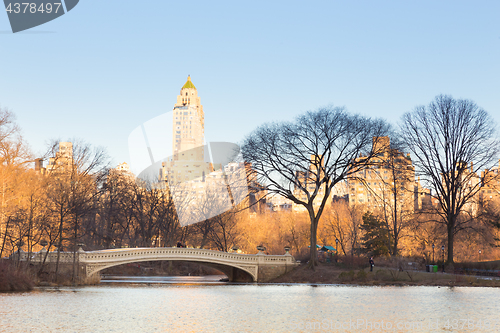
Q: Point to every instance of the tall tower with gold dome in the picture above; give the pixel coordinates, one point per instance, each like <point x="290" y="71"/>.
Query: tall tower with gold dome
<point x="189" y="119"/>
<point x="188" y="132"/>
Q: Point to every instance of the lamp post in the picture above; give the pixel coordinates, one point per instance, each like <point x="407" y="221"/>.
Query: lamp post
<point x="77" y="269"/>
<point x="442" y="249"/>
<point x="19" y="246"/>
<point x="43" y="243"/>
<point x="433" y="262"/>
<point x="336" y="250"/>
<point x="479" y="255"/>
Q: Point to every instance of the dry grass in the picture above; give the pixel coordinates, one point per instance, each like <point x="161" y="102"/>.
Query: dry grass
<point x="12" y="279"/>
<point x="91" y="280"/>
<point x="333" y="274"/>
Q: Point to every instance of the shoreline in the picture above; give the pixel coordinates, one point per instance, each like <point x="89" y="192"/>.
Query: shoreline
<point x="325" y="274"/>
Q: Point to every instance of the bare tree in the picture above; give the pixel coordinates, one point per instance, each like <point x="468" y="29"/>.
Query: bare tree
<point x="14" y="159"/>
<point x="447" y="138"/>
<point x="75" y="173"/>
<point x="303" y="160"/>
<point x="342" y="223"/>
<point x="392" y="189"/>
<point x="146" y="202"/>
<point x="115" y="208"/>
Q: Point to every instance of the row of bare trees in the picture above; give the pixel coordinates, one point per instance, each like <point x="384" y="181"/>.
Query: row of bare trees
<point x="78" y="200"/>
<point x="303" y="160"/>
<point x="106" y="208"/>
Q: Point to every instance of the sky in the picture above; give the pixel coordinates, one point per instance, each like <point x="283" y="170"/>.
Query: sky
<point x="106" y="67"/>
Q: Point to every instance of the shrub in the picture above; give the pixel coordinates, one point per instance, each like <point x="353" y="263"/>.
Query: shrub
<point x="346" y="276"/>
<point x="362" y="276"/>
<point x="12" y="279"/>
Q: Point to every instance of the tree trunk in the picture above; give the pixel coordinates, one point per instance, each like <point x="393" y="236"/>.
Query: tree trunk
<point x="451" y="236"/>
<point x="313" y="257"/>
<point x="75" y="236"/>
<point x="4" y="237"/>
<point x="59" y="246"/>
<point x="396" y="241"/>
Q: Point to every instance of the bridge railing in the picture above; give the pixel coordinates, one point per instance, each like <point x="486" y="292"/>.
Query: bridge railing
<point x="154" y="253"/>
<point x="126" y="254"/>
<point x="38" y="257"/>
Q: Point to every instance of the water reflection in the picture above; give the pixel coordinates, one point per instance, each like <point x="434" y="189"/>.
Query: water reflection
<point x="206" y="279"/>
<point x="160" y="307"/>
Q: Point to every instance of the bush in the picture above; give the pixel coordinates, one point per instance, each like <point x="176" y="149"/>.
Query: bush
<point x="12" y="279"/>
<point x="362" y="276"/>
<point x="346" y="276"/>
<point x="382" y="275"/>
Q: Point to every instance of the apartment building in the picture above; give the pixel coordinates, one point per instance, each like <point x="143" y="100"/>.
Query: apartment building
<point x="188" y="160"/>
<point x="388" y="183"/>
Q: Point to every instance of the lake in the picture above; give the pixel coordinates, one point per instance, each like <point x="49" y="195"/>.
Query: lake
<point x="202" y="304"/>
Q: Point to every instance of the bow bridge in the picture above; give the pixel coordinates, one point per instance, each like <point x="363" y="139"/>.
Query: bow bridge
<point x="237" y="267"/>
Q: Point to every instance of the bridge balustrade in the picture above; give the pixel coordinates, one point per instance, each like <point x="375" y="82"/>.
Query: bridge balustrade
<point x="94" y="261"/>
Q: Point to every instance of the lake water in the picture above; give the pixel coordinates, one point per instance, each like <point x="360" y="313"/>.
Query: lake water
<point x="194" y="304"/>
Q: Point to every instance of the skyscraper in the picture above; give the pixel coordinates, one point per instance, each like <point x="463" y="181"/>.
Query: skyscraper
<point x="188" y="160"/>
<point x="189" y="119"/>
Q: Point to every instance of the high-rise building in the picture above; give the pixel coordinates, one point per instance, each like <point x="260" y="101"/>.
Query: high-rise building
<point x="490" y="190"/>
<point x="63" y="158"/>
<point x="204" y="179"/>
<point x="306" y="180"/>
<point x="389" y="183"/>
<point x="188" y="160"/>
<point x="189" y="119"/>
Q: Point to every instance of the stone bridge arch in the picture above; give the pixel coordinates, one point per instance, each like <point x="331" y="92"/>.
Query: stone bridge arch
<point x="237" y="267"/>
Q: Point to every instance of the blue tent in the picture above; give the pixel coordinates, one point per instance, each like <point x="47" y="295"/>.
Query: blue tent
<point x="327" y="248"/>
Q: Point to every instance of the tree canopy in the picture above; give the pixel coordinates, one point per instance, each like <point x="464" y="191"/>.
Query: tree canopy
<point x="303" y="160"/>
<point x="448" y="139"/>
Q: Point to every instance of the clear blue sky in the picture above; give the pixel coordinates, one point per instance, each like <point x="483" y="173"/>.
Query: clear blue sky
<point x="106" y="67"/>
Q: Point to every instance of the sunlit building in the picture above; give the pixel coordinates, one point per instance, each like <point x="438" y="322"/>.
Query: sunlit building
<point x="388" y="183"/>
<point x="62" y="160"/>
<point x="188" y="160"/>
<point x="306" y="181"/>
<point x="490" y="189"/>
<point x="204" y="179"/>
<point x="124" y="169"/>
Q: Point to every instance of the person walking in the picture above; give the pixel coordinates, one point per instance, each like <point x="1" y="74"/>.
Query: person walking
<point x="372" y="263"/>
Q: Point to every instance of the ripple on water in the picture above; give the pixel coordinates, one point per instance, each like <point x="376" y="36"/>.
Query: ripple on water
<point x="244" y="308"/>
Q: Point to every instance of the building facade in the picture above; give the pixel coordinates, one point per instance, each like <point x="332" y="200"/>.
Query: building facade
<point x="389" y="183"/>
<point x="188" y="162"/>
<point x="204" y="179"/>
